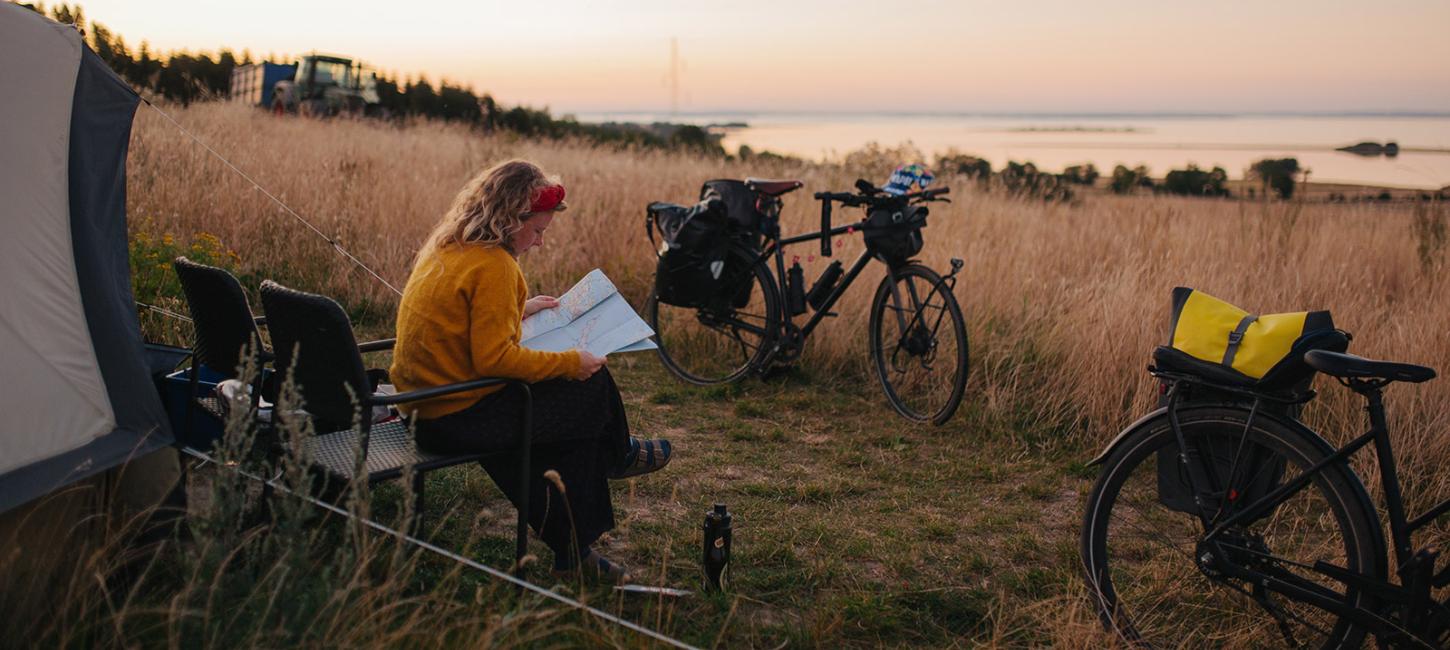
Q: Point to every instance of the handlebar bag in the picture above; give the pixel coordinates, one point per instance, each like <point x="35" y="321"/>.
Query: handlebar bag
<point x="893" y="232"/>
<point x="690" y="271"/>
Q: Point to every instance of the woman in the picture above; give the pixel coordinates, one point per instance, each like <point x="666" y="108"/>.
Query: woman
<point x="460" y="319"/>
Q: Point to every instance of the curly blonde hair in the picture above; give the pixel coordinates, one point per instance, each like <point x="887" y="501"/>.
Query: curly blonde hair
<point x="490" y="208"/>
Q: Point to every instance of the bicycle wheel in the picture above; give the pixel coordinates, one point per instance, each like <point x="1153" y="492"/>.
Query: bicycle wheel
<point x="919" y="344"/>
<point x="720" y="342"/>
<point x="1158" y="584"/>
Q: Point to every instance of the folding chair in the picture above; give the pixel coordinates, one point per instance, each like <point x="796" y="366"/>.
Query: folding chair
<point x="224" y="327"/>
<point x="313" y="338"/>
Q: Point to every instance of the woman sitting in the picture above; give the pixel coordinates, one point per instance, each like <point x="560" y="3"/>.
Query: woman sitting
<point x="460" y="319"/>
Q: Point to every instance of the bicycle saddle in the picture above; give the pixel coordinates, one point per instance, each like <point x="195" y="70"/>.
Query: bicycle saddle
<point x="1350" y="366"/>
<point x="773" y="188"/>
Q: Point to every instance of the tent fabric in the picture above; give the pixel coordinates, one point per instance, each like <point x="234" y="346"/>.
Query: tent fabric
<point x="76" y="398"/>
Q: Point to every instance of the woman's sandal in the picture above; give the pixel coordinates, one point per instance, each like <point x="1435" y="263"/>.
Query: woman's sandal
<point x="644" y="456"/>
<point x="595" y="567"/>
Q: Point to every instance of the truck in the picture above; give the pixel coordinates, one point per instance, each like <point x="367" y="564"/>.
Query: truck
<point x="317" y="84"/>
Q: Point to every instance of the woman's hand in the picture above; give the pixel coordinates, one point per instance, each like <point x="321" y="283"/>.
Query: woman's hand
<point x="539" y="303"/>
<point x="589" y="363"/>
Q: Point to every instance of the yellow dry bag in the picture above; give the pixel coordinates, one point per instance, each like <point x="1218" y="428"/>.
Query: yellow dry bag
<point x="1212" y="330"/>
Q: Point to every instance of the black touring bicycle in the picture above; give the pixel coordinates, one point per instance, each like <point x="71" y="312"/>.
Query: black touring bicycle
<point x="1221" y="520"/>
<point x="719" y="313"/>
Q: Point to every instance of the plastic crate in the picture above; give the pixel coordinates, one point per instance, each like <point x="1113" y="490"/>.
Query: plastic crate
<point x="203" y="429"/>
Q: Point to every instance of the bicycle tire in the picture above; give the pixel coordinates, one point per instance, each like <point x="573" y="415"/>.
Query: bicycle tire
<point x="904" y="358"/>
<point x="1143" y="562"/>
<point x="705" y="345"/>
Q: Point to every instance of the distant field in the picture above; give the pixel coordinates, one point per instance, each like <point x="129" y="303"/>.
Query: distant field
<point x="857" y="529"/>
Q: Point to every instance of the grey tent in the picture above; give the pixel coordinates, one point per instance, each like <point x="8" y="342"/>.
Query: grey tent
<point x="77" y="397"/>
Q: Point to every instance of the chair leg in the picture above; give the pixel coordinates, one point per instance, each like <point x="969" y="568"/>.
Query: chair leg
<point x="521" y="540"/>
<point x="526" y="443"/>
<point x="193" y="381"/>
<point x="416" y="526"/>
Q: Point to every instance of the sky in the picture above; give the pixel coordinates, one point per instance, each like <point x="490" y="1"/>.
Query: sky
<point x="1047" y="56"/>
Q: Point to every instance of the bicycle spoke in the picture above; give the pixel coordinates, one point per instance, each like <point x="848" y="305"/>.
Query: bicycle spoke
<point x="721" y="340"/>
<point x="1160" y="579"/>
<point x="921" y="366"/>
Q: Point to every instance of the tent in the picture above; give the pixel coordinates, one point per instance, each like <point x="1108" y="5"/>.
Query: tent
<point x="76" y="396"/>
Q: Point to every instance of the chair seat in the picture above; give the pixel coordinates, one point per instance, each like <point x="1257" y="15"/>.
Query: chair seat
<point x="211" y="406"/>
<point x="390" y="449"/>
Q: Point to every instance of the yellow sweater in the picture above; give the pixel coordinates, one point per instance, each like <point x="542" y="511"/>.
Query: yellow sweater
<point x="460" y="320"/>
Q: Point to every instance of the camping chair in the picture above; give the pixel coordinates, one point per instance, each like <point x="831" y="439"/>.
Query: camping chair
<point x="224" y="327"/>
<point x="328" y="371"/>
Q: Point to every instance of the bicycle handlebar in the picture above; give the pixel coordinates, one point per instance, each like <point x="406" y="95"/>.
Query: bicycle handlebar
<point x="853" y="200"/>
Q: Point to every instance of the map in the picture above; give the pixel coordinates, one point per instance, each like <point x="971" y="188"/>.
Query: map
<point x="591" y="316"/>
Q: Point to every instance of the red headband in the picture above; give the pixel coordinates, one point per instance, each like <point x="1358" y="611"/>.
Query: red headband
<point x="547" y="198"/>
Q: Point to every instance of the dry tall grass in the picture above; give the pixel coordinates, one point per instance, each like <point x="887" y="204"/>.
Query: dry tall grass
<point x="1064" y="302"/>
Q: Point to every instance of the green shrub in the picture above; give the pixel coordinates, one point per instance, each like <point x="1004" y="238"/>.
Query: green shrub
<point x="1196" y="182"/>
<point x="152" y="277"/>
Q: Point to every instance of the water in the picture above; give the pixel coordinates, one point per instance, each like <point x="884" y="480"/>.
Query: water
<point x="1161" y="142"/>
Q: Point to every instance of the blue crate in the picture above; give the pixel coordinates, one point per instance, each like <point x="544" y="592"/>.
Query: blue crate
<point x="204" y="429"/>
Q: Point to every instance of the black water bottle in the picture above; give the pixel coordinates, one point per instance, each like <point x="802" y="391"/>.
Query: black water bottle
<point x="824" y="286"/>
<point x="716" y="554"/>
<point x="795" y="288"/>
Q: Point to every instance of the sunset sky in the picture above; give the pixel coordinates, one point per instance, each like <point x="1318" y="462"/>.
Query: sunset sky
<point x="1044" y="56"/>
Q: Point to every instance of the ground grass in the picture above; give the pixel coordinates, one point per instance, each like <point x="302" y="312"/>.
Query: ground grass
<point x="851" y="526"/>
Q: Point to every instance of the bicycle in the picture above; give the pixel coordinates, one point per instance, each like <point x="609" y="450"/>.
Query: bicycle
<point x="921" y="367"/>
<point x="1288" y="548"/>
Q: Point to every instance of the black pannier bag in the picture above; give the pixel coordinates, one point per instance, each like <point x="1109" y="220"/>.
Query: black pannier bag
<point x="691" y="271"/>
<point x="742" y="205"/>
<point x="894" y="232"/>
<point x="752" y="215"/>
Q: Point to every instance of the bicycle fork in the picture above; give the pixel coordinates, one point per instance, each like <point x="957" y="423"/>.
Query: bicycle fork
<point x="915" y="342"/>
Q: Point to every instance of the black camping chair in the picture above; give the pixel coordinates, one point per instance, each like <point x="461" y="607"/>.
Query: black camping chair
<point x="335" y="388"/>
<point x="224" y="327"/>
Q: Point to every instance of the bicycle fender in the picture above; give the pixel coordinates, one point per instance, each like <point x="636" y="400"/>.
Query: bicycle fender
<point x="1123" y="435"/>
<point x="1162" y="412"/>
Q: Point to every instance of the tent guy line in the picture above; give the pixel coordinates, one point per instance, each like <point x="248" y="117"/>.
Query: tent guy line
<point x="335" y="245"/>
<point x="603" y="615"/>
<point x="163" y="311"/>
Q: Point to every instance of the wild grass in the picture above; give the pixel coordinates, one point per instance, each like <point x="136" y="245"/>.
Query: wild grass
<point x="861" y="530"/>
<point x="236" y="570"/>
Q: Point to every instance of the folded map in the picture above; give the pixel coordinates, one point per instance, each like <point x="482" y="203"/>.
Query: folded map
<point x="591" y="316"/>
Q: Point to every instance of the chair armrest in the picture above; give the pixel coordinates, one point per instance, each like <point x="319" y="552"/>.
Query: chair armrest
<point x="446" y="389"/>
<point x="374" y="346"/>
<point x="259" y="320"/>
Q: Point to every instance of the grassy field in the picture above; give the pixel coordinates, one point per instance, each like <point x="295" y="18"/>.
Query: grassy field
<point x="853" y="527"/>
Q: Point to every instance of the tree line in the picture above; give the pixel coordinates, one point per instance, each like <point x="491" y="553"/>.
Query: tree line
<point x="186" y="77"/>
<point x="1277" y="177"/>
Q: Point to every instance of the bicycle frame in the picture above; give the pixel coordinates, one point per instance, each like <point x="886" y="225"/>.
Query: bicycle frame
<point x="776" y="248"/>
<point x="1415" y="568"/>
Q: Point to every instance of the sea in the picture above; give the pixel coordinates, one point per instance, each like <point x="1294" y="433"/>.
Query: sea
<point x="1159" y="141"/>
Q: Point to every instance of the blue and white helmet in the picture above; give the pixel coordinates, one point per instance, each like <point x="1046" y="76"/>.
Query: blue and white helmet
<point x="907" y="175"/>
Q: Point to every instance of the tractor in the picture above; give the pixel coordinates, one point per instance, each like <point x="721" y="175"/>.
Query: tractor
<point x="318" y="85"/>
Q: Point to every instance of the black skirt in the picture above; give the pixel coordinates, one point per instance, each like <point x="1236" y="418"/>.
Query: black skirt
<point x="579" y="431"/>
